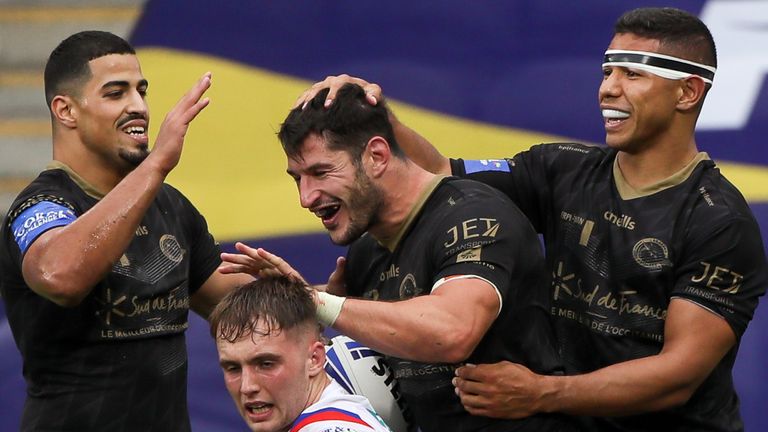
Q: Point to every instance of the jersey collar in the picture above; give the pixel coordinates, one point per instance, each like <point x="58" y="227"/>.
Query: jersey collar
<point x="84" y="185"/>
<point x="392" y="242"/>
<point x="627" y="192"/>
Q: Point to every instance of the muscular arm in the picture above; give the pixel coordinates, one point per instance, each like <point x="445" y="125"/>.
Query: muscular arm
<point x="64" y="264"/>
<point x="444" y="326"/>
<point x="695" y="341"/>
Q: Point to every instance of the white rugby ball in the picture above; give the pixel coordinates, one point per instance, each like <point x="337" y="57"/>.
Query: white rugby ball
<point x="362" y="371"/>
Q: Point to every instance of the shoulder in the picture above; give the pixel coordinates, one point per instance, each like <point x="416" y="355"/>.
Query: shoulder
<point x="176" y="201"/>
<point x="564" y="154"/>
<point x="718" y="200"/>
<point x="465" y="197"/>
<point x="325" y="418"/>
<point x="452" y="189"/>
<point x="50" y="186"/>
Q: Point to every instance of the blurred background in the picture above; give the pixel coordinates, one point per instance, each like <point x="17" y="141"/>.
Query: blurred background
<point x="478" y="79"/>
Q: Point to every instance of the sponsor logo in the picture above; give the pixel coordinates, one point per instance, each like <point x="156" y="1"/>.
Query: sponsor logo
<point x="390" y="273"/>
<point x="38" y="219"/>
<point x="705" y="195"/>
<point x="622" y="221"/>
<point x="572" y="148"/>
<point x="473" y="166"/>
<point x="472" y="228"/>
<point x="470" y="255"/>
<point x="720" y="278"/>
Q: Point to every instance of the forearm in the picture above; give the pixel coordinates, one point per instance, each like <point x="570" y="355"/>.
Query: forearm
<point x="417" y="329"/>
<point x="65" y="264"/>
<point x="419" y="149"/>
<point x="643" y="385"/>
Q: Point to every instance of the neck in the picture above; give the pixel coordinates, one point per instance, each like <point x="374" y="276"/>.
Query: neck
<point x="87" y="165"/>
<point x="402" y="186"/>
<point x="316" y="387"/>
<point x="654" y="164"/>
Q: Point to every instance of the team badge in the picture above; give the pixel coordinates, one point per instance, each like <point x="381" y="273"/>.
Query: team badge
<point x="651" y="253"/>
<point x="408" y="288"/>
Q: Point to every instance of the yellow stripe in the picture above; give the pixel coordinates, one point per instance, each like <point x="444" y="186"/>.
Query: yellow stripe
<point x="47" y="14"/>
<point x="13" y="184"/>
<point x="586" y="231"/>
<point x="751" y="180"/>
<point x="21" y="79"/>
<point x="25" y="127"/>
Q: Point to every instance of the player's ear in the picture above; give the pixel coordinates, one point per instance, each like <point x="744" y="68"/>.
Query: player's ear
<point x="692" y="91"/>
<point x="64" y="110"/>
<point x="316" y="358"/>
<point x="377" y="155"/>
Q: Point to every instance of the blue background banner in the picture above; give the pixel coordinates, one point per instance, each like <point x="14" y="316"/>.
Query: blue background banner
<point x="478" y="79"/>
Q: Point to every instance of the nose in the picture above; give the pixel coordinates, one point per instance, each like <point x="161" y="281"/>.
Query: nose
<point x="308" y="192"/>
<point x="610" y="86"/>
<point x="249" y="381"/>
<point x="137" y="103"/>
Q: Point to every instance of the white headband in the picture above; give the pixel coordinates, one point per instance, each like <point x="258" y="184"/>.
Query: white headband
<point x="659" y="64"/>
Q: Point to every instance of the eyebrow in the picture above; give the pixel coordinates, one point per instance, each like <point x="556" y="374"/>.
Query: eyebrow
<point x="142" y="83"/>
<point x="257" y="358"/>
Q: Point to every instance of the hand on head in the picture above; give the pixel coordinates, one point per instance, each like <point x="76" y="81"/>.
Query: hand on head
<point x="334" y="83"/>
<point x="258" y="263"/>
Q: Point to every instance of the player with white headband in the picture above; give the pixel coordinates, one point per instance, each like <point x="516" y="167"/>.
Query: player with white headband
<point x="665" y="66"/>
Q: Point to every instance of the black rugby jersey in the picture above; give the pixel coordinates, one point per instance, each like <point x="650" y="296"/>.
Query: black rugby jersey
<point x="463" y="228"/>
<point x="616" y="257"/>
<point x="118" y="360"/>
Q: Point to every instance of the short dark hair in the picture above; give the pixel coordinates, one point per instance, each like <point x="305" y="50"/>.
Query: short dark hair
<point x="679" y="32"/>
<point x="67" y="67"/>
<point x="347" y="125"/>
<point x="278" y="302"/>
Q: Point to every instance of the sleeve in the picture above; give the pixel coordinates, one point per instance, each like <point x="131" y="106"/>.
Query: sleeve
<point x="484" y="235"/>
<point x="36" y="215"/>
<point x="525" y="178"/>
<point x="205" y="253"/>
<point x="725" y="271"/>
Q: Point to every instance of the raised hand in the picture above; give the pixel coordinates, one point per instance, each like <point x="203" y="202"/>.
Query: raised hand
<point x="170" y="139"/>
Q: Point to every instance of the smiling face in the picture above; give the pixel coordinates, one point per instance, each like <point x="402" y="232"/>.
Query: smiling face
<point x="335" y="189"/>
<point x="111" y="112"/>
<point x="638" y="107"/>
<point x="269" y="376"/>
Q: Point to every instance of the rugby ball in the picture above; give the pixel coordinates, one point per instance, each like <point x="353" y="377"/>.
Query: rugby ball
<point x="362" y="371"/>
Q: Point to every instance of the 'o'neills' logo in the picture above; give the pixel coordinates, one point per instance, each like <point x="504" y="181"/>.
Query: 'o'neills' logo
<point x="622" y="221"/>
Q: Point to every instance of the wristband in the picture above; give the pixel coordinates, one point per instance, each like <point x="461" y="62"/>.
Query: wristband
<point x="328" y="307"/>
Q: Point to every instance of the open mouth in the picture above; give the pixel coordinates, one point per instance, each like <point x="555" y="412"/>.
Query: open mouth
<point x="258" y="408"/>
<point x="327" y="212"/>
<point x="614" y="116"/>
<point x="136" y="131"/>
